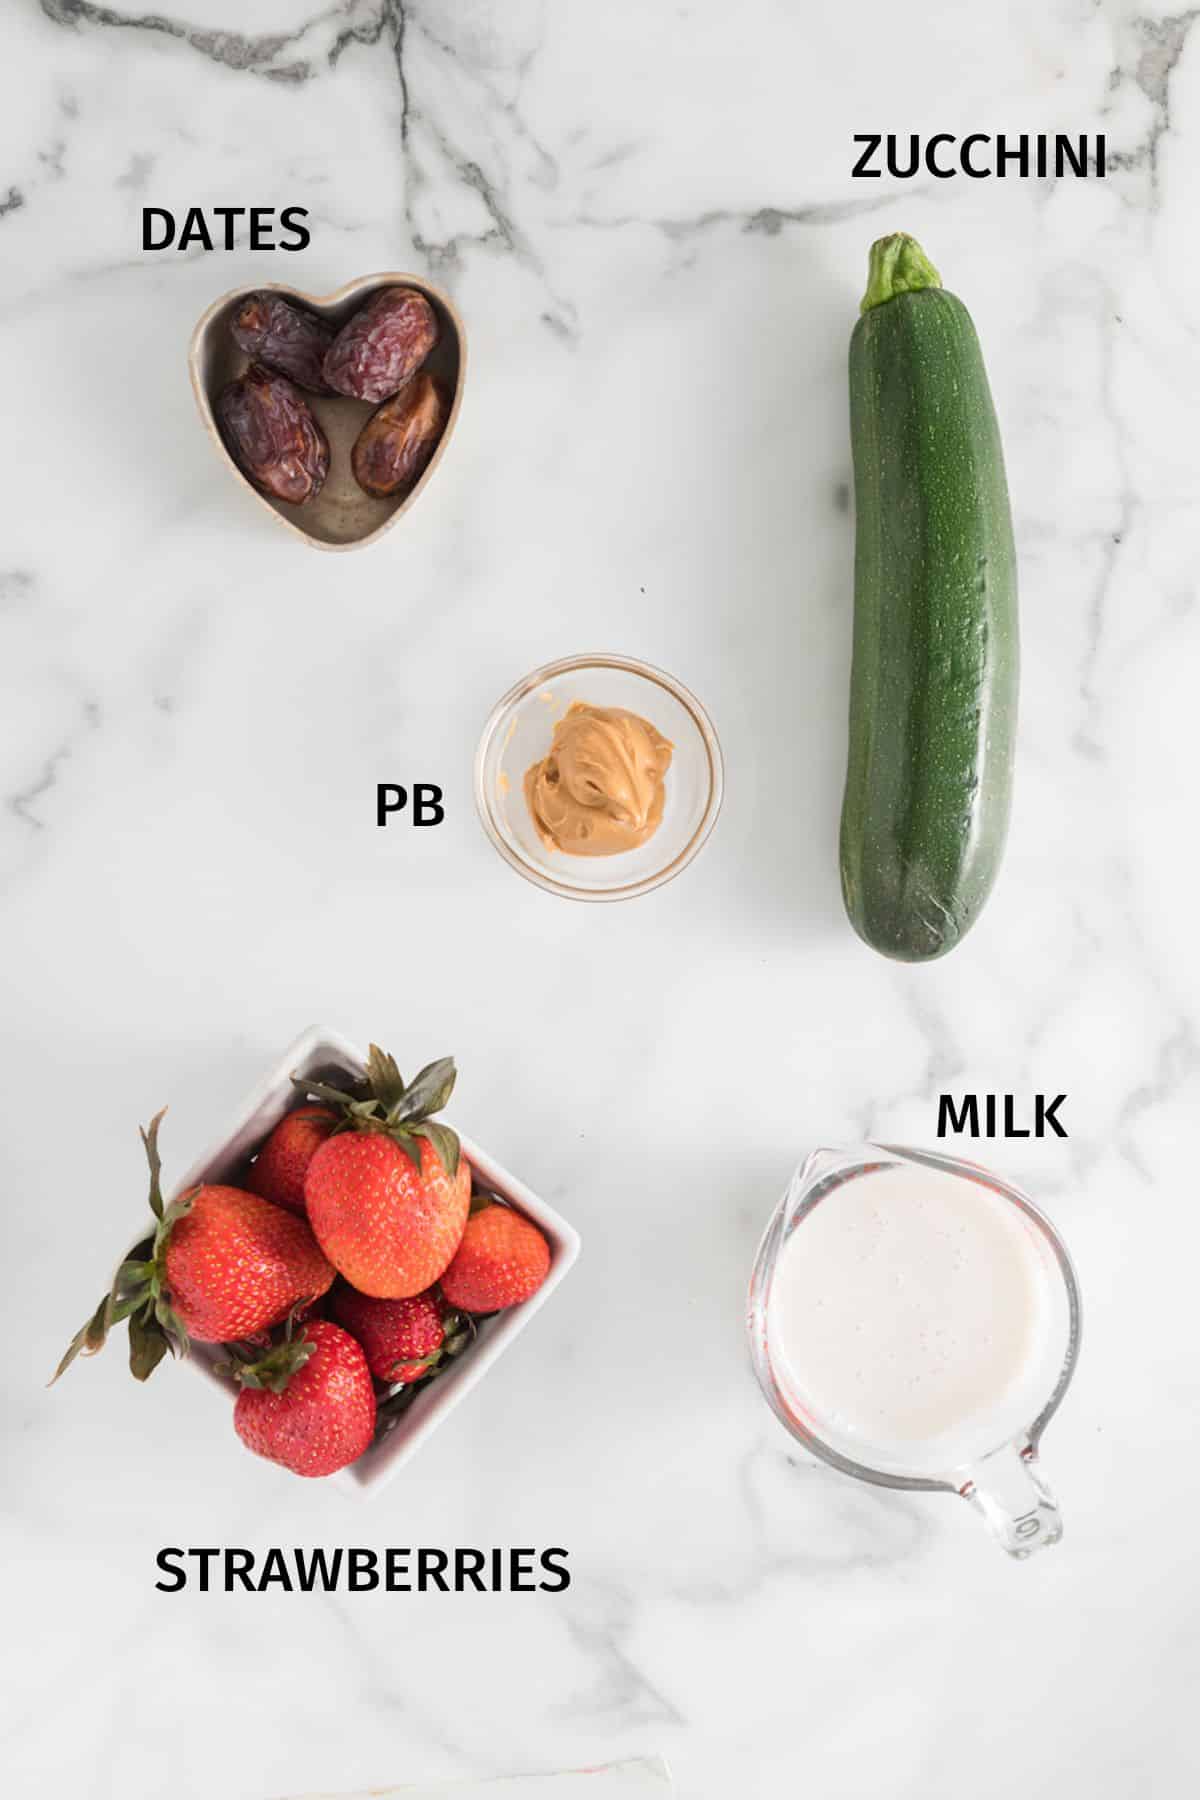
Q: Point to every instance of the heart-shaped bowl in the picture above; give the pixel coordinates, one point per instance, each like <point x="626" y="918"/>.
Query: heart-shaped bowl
<point x="341" y="517"/>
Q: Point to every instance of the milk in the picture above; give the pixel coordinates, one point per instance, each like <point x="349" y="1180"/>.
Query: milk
<point x="909" y="1317"/>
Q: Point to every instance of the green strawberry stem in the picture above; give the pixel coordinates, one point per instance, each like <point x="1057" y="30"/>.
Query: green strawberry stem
<point x="274" y="1368"/>
<point x="424" y="1367"/>
<point x="386" y="1103"/>
<point x="253" y="1367"/>
<point x="139" y="1290"/>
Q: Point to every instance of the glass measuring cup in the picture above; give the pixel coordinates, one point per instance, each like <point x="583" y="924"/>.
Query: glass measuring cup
<point x="990" y="1460"/>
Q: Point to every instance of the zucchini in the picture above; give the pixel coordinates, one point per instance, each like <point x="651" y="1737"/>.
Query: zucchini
<point x="933" y="684"/>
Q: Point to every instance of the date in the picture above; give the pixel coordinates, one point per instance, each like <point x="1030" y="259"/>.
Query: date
<point x="381" y="345"/>
<point x="273" y="436"/>
<point x="396" y="442"/>
<point x="282" y="337"/>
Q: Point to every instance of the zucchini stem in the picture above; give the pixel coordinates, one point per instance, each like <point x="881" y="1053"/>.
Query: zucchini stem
<point x="898" y="265"/>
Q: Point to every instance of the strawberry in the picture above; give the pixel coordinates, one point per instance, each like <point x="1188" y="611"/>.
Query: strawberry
<point x="234" y="1264"/>
<point x="401" y="1339"/>
<point x="310" y="1403"/>
<point x="387" y="1195"/>
<point x="221" y="1264"/>
<point x="277" y="1172"/>
<point x="502" y="1260"/>
<point x="388" y="1219"/>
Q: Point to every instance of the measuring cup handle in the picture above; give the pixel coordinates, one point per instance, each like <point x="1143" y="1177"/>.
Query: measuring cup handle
<point x="1008" y="1489"/>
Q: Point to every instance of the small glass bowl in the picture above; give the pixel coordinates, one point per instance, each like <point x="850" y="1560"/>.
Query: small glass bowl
<point x="518" y="734"/>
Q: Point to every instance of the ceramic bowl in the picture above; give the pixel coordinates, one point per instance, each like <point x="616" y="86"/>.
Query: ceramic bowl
<point x="325" y="1055"/>
<point x="341" y="517"/>
<point x="517" y="735"/>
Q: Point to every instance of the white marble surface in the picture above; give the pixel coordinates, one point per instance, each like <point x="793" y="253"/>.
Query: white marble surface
<point x="645" y="214"/>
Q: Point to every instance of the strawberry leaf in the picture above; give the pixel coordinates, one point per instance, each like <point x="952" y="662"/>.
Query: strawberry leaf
<point x="147" y="1345"/>
<point x="403" y="1140"/>
<point x="427" y="1093"/>
<point x="384" y="1103"/>
<point x="362" y="1112"/>
<point x="385" y="1079"/>
<point x="167" y="1222"/>
<point x="132" y="1275"/>
<point x="444" y="1141"/>
<point x="88" y="1339"/>
<point x="121" y="1309"/>
<point x="171" y="1326"/>
<point x="149" y="1138"/>
<point x="275" y="1368"/>
<point x="322" y="1090"/>
<point x="139" y="1289"/>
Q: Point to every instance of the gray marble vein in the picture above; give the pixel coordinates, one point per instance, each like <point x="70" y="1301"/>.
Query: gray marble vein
<point x="265" y="55"/>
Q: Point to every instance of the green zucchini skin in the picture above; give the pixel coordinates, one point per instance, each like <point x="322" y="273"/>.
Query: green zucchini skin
<point x="933" y="686"/>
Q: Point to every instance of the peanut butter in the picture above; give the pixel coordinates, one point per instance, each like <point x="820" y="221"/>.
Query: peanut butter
<point x="601" y="788"/>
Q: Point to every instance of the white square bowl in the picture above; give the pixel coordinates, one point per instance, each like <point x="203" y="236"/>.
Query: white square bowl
<point x="322" y="1054"/>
